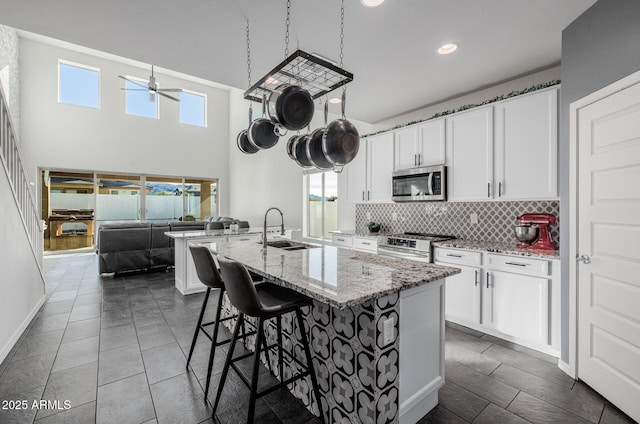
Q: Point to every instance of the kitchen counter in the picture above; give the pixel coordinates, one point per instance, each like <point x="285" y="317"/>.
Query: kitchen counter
<point x="497" y="247"/>
<point x="369" y="315"/>
<point x="333" y="275"/>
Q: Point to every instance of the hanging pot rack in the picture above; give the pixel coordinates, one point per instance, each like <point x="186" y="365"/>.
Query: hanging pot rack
<point x="313" y="73"/>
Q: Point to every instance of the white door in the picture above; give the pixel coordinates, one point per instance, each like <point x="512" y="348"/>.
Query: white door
<point x="517" y="305"/>
<point x="462" y="295"/>
<point x="380" y="148"/>
<point x="470" y="154"/>
<point x="431" y="149"/>
<point x="356" y="171"/>
<point x="609" y="232"/>
<point x="406" y="146"/>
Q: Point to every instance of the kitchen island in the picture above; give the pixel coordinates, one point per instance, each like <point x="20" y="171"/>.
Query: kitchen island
<point x="186" y="278"/>
<point x="376" y="328"/>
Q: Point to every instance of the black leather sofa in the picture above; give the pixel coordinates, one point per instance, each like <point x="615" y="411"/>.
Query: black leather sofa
<point x="144" y="246"/>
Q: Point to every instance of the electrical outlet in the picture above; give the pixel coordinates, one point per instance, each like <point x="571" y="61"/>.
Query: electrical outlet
<point x="388" y="330"/>
<point x="368" y="216"/>
<point x="394" y="216"/>
<point x="473" y="218"/>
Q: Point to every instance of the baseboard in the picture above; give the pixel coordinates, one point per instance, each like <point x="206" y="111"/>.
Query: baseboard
<point x="566" y="368"/>
<point x="18" y="333"/>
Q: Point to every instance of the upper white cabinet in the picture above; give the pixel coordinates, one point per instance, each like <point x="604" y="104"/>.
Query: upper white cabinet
<point x="420" y="145"/>
<point x="526" y="146"/>
<point x="470" y="154"/>
<point x="369" y="174"/>
<point x="507" y="151"/>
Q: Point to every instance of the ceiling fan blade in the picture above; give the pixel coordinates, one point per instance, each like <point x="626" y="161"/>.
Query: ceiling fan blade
<point x="174" y="90"/>
<point x="168" y="96"/>
<point x="134" y="82"/>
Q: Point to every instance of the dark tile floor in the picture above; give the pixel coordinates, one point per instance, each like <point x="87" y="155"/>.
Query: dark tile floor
<point x="115" y="349"/>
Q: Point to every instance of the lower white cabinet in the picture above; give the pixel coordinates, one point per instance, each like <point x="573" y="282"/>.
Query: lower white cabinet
<point x="342" y="240"/>
<point x="517" y="305"/>
<point x="512" y="297"/>
<point x="365" y="244"/>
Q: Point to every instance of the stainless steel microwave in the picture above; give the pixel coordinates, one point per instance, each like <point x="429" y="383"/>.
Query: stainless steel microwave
<point x="422" y="184"/>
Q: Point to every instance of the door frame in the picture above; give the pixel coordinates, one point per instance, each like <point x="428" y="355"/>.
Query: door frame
<point x="574" y="108"/>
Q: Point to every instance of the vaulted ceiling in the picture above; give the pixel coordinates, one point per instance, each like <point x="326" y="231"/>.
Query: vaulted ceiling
<point x="390" y="49"/>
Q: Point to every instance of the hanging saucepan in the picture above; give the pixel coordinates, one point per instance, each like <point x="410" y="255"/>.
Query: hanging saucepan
<point x="292" y="140"/>
<point x="300" y="151"/>
<point x="314" y="145"/>
<point x="341" y="141"/>
<point x="261" y="132"/>
<point x="290" y="107"/>
<point x="243" y="141"/>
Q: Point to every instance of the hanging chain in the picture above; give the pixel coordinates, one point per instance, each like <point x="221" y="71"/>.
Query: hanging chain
<point x="248" y="56"/>
<point x="341" y="32"/>
<point x="286" y="35"/>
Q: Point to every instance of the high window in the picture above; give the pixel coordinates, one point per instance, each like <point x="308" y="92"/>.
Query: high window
<point x="322" y="204"/>
<point x="139" y="101"/>
<point x="78" y="84"/>
<point x="193" y="108"/>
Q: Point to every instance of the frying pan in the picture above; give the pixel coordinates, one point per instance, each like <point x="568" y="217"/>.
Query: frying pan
<point x="290" y="107"/>
<point x="261" y="132"/>
<point x="341" y="141"/>
<point x="290" y="142"/>
<point x="315" y="154"/>
<point x="243" y="141"/>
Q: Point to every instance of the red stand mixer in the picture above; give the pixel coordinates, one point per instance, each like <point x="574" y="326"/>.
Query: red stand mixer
<point x="533" y="231"/>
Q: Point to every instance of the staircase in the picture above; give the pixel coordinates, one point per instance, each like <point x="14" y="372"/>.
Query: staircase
<point x="19" y="183"/>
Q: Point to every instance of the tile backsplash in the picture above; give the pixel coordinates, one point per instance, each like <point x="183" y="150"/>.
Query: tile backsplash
<point x="495" y="219"/>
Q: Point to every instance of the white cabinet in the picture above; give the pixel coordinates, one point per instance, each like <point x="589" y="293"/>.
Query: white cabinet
<point x="420" y="145"/>
<point x="512" y="297"/>
<point x="365" y="244"/>
<point x="369" y="174"/>
<point x="506" y="151"/>
<point x="517" y="305"/>
<point x="526" y="146"/>
<point x="342" y="240"/>
<point x="470" y="154"/>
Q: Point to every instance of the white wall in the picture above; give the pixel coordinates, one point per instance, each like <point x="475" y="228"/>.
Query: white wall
<point x="9" y="73"/>
<point x="62" y="136"/>
<point x="472" y="98"/>
<point x="269" y="177"/>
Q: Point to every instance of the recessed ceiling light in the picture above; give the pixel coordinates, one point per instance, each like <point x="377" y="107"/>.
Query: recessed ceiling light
<point x="448" y="48"/>
<point x="371" y="3"/>
<point x="335" y="100"/>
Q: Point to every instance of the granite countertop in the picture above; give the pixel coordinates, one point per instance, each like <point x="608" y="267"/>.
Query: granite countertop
<point x="336" y="276"/>
<point x="221" y="233"/>
<point x="497" y="247"/>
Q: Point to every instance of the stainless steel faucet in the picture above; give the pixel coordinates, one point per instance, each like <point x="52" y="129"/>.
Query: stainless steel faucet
<point x="264" y="231"/>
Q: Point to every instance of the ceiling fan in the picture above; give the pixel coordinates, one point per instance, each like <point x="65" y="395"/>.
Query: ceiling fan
<point x="152" y="88"/>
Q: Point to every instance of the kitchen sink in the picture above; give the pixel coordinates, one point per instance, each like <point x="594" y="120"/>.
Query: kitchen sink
<point x="290" y="245"/>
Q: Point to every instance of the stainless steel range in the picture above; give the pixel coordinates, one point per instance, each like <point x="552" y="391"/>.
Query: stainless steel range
<point x="414" y="246"/>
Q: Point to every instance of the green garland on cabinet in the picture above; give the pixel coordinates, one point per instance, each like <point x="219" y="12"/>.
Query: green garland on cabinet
<point x="472" y="105"/>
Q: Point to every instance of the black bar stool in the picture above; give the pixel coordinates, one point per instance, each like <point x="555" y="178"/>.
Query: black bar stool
<point x="209" y="276"/>
<point x="262" y="301"/>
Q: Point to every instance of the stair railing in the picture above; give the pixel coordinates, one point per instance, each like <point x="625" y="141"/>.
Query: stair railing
<point x="18" y="181"/>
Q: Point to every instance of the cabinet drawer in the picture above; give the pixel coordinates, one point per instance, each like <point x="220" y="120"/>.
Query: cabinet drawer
<point x="458" y="256"/>
<point x="246" y="237"/>
<point x="342" y="240"/>
<point x="518" y="264"/>
<point x="366" y="244"/>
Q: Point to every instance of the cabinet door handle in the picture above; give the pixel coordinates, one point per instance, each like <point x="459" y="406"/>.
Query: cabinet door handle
<point x="488" y="189"/>
<point x="368" y="195"/>
<point x="487" y="280"/>
<point x="500" y="189"/>
<point x="476" y="277"/>
<point x="454" y="256"/>
<point x="415" y="160"/>
<point x="340" y="239"/>
<point x="419" y="158"/>
<point x="515" y="263"/>
<point x="366" y="243"/>
<point x="362" y="195"/>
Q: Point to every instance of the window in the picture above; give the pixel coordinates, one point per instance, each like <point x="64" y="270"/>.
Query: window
<point x="193" y="109"/>
<point x="78" y="85"/>
<point x="139" y="101"/>
<point x="322" y="204"/>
